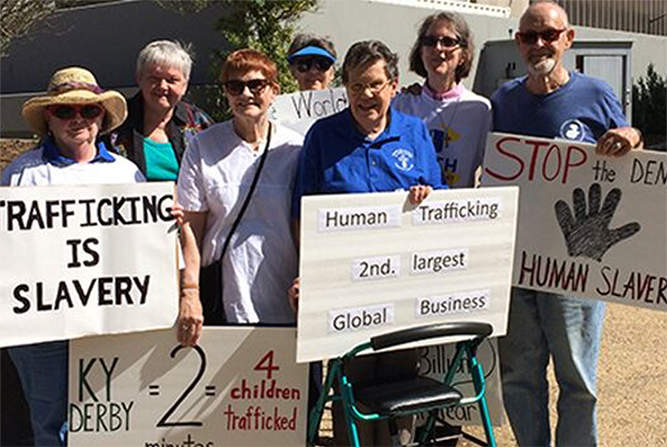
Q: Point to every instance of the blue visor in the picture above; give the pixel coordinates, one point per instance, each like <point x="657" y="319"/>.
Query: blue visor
<point x="311" y="51"/>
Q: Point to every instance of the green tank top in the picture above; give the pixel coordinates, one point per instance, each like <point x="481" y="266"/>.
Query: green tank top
<point x="161" y="162"/>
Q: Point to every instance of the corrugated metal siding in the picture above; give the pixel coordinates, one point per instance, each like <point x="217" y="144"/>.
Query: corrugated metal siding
<point x="639" y="16"/>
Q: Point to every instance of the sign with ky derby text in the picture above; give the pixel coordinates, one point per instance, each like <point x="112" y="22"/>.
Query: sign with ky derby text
<point x="374" y="263"/>
<point x="239" y="387"/>
<point x="84" y="260"/>
<point x="590" y="226"/>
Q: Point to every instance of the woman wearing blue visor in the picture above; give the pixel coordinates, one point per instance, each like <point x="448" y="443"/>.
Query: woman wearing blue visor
<point x="311" y="60"/>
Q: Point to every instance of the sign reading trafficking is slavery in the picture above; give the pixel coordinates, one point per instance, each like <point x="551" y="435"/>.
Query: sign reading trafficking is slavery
<point x="374" y="263"/>
<point x="84" y="260"/>
<point x="590" y="226"/>
<point x="300" y="110"/>
<point x="238" y="387"/>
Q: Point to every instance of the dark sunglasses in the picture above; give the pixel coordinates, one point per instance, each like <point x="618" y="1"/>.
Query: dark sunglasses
<point x="304" y="64"/>
<point x="235" y="87"/>
<point x="67" y="112"/>
<point x="548" y="36"/>
<point x="444" y="41"/>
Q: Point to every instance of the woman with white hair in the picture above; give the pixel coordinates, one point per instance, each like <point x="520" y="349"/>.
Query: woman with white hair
<point x="159" y="122"/>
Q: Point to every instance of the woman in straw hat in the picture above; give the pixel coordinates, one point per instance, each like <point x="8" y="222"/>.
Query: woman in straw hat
<point x="70" y="119"/>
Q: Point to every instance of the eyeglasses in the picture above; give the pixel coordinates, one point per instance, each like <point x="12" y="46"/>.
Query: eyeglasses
<point x="444" y="41"/>
<point x="256" y="86"/>
<point x="68" y="112"/>
<point x="374" y="87"/>
<point x="548" y="36"/>
<point x="304" y="64"/>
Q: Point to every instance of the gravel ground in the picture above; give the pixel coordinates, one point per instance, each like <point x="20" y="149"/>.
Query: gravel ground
<point x="632" y="382"/>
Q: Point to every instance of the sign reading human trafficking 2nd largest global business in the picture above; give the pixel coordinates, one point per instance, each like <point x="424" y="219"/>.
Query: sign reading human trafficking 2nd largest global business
<point x="591" y="226"/>
<point x="83" y="260"/>
<point x="374" y="263"/>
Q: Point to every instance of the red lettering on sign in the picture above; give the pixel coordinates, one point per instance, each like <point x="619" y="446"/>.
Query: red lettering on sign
<point x="499" y="147"/>
<point x="555" y="165"/>
<point x="266" y="364"/>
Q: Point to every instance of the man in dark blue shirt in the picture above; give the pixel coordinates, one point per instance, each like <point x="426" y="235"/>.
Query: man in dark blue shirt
<point x="553" y="103"/>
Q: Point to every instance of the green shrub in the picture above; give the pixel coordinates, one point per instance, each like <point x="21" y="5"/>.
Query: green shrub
<point x="649" y="106"/>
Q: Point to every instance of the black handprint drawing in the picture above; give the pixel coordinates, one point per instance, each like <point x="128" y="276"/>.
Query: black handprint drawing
<point x="587" y="234"/>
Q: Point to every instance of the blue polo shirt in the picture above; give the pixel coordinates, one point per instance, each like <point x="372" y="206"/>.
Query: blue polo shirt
<point x="337" y="158"/>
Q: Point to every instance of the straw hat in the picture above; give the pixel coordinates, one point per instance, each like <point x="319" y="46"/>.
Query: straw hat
<point x="75" y="85"/>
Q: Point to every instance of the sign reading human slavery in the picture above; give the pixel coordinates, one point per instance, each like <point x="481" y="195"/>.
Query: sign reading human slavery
<point x="300" y="110"/>
<point x="238" y="387"/>
<point x="83" y="260"/>
<point x="590" y="226"/>
<point x="374" y="263"/>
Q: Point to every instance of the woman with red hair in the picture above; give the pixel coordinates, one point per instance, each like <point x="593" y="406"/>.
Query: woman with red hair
<point x="235" y="186"/>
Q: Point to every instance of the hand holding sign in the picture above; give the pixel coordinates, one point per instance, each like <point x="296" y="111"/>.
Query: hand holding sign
<point x="588" y="234"/>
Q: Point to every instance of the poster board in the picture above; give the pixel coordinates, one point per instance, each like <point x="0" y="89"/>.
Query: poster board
<point x="374" y="263"/>
<point x="435" y="361"/>
<point x="239" y="387"/>
<point x="84" y="260"/>
<point x="300" y="110"/>
<point x="590" y="226"/>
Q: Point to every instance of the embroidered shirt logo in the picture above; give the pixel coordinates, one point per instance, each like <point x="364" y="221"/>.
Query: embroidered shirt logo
<point x="573" y="130"/>
<point x="403" y="159"/>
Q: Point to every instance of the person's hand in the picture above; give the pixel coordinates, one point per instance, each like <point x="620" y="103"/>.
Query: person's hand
<point x="293" y="294"/>
<point x="190" y="317"/>
<point x="177" y="213"/>
<point x="618" y="142"/>
<point x="419" y="193"/>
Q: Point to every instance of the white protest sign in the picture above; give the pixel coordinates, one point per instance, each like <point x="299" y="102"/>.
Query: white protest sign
<point x="590" y="226"/>
<point x="239" y="387"/>
<point x="374" y="263"/>
<point x="83" y="260"/>
<point x="435" y="361"/>
<point x="301" y="109"/>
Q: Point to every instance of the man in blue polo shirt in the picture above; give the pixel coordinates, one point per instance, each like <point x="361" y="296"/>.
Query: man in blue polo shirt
<point x="368" y="147"/>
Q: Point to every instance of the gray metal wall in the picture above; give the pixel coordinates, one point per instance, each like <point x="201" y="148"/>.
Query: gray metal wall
<point x="639" y="16"/>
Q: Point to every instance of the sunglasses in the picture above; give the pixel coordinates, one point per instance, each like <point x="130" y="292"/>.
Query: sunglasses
<point x="444" y="41"/>
<point x="548" y="36"/>
<point x="304" y="64"/>
<point x="235" y="87"/>
<point x="68" y="112"/>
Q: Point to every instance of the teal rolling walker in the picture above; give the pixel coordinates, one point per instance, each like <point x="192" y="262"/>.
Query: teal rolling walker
<point x="397" y="397"/>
